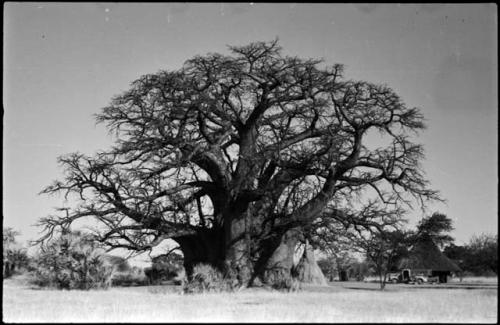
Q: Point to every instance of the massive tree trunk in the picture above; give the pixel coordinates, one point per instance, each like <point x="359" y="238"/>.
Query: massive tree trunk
<point x="238" y="247"/>
<point x="249" y="249"/>
<point x="227" y="249"/>
<point x="204" y="247"/>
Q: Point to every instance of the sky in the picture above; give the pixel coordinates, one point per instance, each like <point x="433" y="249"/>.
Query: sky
<point x="63" y="62"/>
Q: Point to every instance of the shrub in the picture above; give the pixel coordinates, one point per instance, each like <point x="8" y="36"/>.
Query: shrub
<point x="15" y="258"/>
<point x="206" y="278"/>
<point x="164" y="268"/>
<point x="120" y="264"/>
<point x="72" y="261"/>
<point x="282" y="283"/>
<point x="281" y="279"/>
<point x="126" y="279"/>
<point x="158" y="273"/>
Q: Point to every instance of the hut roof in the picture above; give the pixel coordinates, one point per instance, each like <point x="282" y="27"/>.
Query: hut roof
<point x="425" y="255"/>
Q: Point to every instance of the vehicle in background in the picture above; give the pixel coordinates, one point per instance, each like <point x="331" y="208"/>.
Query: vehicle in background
<point x="421" y="279"/>
<point x="393" y="277"/>
<point x="406" y="276"/>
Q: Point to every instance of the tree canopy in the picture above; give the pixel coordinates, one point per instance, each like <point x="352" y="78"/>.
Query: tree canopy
<point x="14" y="255"/>
<point x="437" y="227"/>
<point x="9" y="237"/>
<point x="478" y="257"/>
<point x="233" y="156"/>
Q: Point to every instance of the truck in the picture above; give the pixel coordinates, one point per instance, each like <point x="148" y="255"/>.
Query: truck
<point x="406" y="276"/>
<point x="422" y="278"/>
<point x="393" y="277"/>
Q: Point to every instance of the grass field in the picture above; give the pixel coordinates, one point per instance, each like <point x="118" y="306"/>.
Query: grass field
<point x="336" y="303"/>
<point x="475" y="279"/>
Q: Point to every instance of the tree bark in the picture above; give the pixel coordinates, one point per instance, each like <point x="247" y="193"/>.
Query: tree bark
<point x="204" y="247"/>
<point x="237" y="255"/>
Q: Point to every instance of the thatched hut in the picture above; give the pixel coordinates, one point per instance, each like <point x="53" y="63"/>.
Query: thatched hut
<point x="426" y="258"/>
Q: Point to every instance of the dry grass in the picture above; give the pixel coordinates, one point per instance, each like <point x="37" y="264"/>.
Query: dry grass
<point x="333" y="304"/>
<point x="476" y="279"/>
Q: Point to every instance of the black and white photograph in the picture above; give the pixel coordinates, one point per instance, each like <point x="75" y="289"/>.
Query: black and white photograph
<point x="250" y="162"/>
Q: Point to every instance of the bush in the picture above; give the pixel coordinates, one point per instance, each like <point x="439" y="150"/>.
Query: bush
<point x="120" y="264"/>
<point x="14" y="261"/>
<point x="164" y="268"/>
<point x="15" y="258"/>
<point x="72" y="261"/>
<point x="286" y="284"/>
<point x="281" y="279"/>
<point x="206" y="278"/>
<point x="127" y="279"/>
<point x="158" y="273"/>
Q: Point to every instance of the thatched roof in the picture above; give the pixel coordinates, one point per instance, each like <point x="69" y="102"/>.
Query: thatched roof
<point x="425" y="255"/>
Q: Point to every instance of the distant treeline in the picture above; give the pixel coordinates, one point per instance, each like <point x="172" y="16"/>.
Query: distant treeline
<point x="479" y="257"/>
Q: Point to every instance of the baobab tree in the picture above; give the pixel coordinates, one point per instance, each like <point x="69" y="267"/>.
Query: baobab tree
<point x="235" y="156"/>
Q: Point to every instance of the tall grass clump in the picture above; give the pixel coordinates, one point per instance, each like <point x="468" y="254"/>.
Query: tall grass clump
<point x="164" y="268"/>
<point x="206" y="278"/>
<point x="283" y="281"/>
<point x="72" y="261"/>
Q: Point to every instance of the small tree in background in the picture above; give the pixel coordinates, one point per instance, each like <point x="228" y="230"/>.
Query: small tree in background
<point x="478" y="257"/>
<point x="347" y="266"/>
<point x="72" y="261"/>
<point x="336" y="263"/>
<point x="373" y="233"/>
<point x="483" y="255"/>
<point x="358" y="270"/>
<point x="458" y="254"/>
<point x="15" y="257"/>
<point x="383" y="250"/>
<point x="328" y="267"/>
